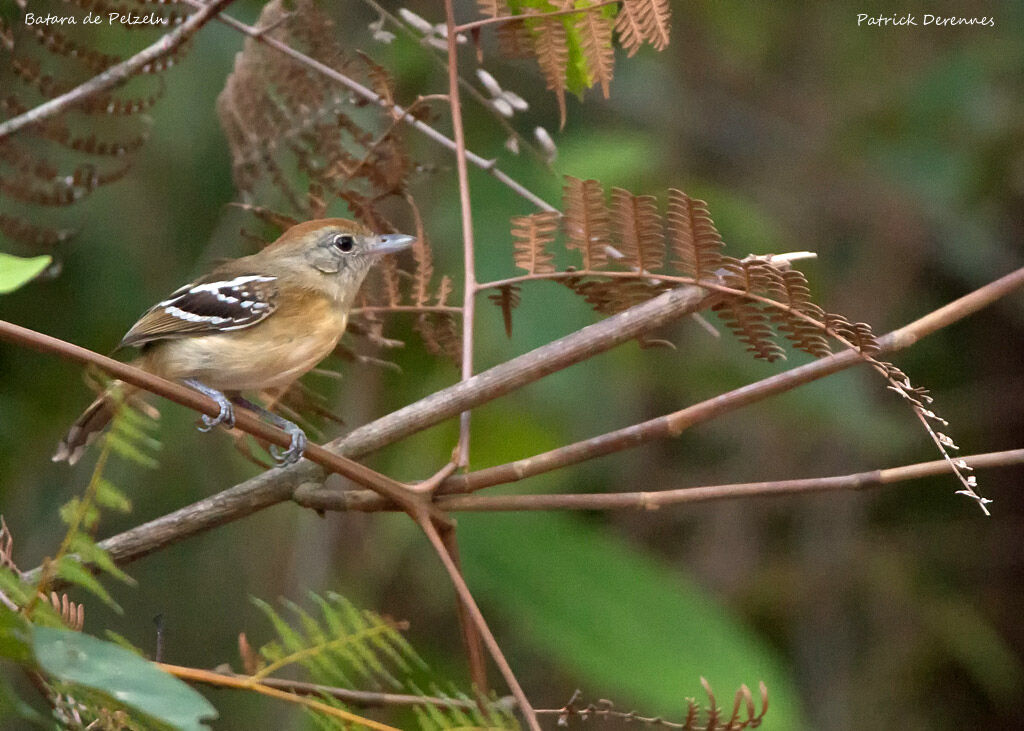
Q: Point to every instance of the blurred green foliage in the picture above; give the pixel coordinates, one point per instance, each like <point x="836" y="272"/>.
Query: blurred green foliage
<point x="17" y="271"/>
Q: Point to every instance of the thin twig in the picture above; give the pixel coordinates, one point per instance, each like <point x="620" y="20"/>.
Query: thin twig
<point x="196" y="675"/>
<point x="118" y="74"/>
<point x="464" y="83"/>
<point x="365" y="501"/>
<point x="417" y="309"/>
<point x="671" y="425"/>
<point x="657" y="499"/>
<point x="466" y="210"/>
<point x="359" y="698"/>
<point x="398" y="111"/>
<point x="462" y="589"/>
<point x="471" y="638"/>
<point x="465" y="27"/>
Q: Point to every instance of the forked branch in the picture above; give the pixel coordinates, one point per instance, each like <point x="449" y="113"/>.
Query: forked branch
<point x="273" y="487"/>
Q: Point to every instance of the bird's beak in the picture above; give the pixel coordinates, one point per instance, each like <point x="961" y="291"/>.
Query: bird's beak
<point x="390" y="243"/>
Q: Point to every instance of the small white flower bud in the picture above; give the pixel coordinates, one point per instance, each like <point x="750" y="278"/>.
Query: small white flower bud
<point x="502" y="107"/>
<point x="546" y="143"/>
<point x="416" y="21"/>
<point x="489" y="82"/>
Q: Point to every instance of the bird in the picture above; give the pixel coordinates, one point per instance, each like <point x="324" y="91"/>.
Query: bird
<point x="253" y="323"/>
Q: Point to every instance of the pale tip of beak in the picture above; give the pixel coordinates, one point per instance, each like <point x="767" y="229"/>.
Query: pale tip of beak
<point x="390" y="243"/>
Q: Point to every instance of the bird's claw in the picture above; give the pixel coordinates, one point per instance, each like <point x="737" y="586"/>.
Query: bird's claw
<point x="225" y="416"/>
<point x="293" y="454"/>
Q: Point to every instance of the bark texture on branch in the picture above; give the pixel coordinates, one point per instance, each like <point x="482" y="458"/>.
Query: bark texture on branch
<point x="278" y="485"/>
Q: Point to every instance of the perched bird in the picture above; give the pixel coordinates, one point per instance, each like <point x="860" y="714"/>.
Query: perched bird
<point x="253" y="323"/>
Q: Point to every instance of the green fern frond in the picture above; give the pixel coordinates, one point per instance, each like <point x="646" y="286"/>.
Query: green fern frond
<point x="349" y="648"/>
<point x="462" y="713"/>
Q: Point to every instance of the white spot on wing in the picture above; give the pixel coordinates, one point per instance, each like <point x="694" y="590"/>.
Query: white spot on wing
<point x="230" y="284"/>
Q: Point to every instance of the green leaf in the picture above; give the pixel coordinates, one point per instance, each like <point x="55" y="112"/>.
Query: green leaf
<point x="122" y="641"/>
<point x="596" y="605"/>
<point x="89" y="552"/>
<point x="970" y="638"/>
<point x="77" y="658"/>
<point x="16" y="272"/>
<point x="108" y="495"/>
<point x="129" y="451"/>
<point x="14" y="636"/>
<point x="134" y="429"/>
<point x="14" y="587"/>
<point x="69" y="513"/>
<point x="577" y="74"/>
<point x="21" y="592"/>
<point x="70" y="569"/>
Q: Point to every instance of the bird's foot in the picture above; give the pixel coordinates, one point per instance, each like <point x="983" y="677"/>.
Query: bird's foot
<point x="226" y="416"/>
<point x="295" y="450"/>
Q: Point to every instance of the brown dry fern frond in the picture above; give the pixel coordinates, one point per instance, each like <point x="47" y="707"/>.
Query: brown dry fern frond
<point x="595" y="31"/>
<point x="492" y="8"/>
<point x="86" y="147"/>
<point x="694" y="240"/>
<point x="532" y="236"/>
<point x="698" y="717"/>
<point x="552" y="51"/>
<point x="628" y="26"/>
<point x="72" y="613"/>
<point x="586" y="220"/>
<point x="608" y="297"/>
<point x="639" y="228"/>
<point x="440" y="330"/>
<point x="802" y="334"/>
<point x="761" y="299"/>
<point x="514" y="40"/>
<point x="507" y="298"/>
<point x="643" y="21"/>
<point x="750" y="325"/>
<point x="279" y="114"/>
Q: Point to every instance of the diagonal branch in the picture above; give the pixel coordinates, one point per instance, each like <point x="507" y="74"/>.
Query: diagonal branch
<point x="671" y="425"/>
<point x="245" y="420"/>
<point x="119" y="73"/>
<point x="270" y="488"/>
<point x="359" y="698"/>
<point x="221" y="680"/>
<point x="467" y="600"/>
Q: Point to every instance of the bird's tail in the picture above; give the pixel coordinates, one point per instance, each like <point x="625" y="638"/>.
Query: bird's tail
<point x="92" y="422"/>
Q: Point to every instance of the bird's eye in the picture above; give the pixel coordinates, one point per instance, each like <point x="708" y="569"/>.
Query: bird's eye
<point x="344" y="242"/>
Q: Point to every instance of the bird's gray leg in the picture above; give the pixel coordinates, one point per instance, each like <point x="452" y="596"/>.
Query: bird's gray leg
<point x="294" y="452"/>
<point x="227" y="412"/>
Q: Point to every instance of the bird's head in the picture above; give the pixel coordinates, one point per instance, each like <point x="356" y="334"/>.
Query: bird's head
<point x="335" y="246"/>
